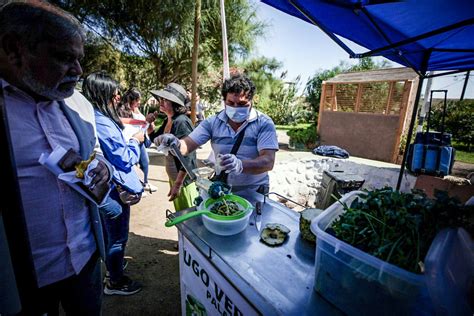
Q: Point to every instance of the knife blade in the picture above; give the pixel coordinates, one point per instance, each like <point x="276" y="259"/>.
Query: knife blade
<point x="258" y="216"/>
<point x="177" y="154"/>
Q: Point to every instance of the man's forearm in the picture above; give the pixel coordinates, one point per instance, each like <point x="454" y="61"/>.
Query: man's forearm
<point x="261" y="164"/>
<point x="187" y="145"/>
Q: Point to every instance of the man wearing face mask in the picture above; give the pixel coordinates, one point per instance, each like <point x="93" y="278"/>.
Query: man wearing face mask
<point x="245" y="167"/>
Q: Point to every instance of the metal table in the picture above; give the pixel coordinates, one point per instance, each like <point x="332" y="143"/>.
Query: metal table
<point x="257" y="278"/>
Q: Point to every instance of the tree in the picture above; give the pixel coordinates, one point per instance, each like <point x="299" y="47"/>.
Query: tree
<point x="129" y="70"/>
<point x="275" y="96"/>
<point x="458" y="121"/>
<point x="163" y="31"/>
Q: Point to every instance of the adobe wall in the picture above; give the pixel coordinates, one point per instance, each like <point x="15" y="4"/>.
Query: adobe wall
<point x="371" y="136"/>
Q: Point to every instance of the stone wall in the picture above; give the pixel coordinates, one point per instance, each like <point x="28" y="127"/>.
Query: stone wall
<point x="300" y="179"/>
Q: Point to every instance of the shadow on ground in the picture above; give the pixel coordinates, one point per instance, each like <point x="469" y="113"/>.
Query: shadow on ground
<point x="154" y="262"/>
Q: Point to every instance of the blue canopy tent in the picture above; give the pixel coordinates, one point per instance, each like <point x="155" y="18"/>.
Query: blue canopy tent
<point x="425" y="35"/>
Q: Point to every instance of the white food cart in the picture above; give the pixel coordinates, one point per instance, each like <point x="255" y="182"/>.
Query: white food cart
<point x="239" y="275"/>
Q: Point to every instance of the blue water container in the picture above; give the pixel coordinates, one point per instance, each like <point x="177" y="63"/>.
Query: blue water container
<point x="430" y="159"/>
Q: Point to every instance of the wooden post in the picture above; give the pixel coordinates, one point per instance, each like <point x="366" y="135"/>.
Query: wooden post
<point x="404" y="104"/>
<point x="225" y="50"/>
<point x="390" y="92"/>
<point x="322" y="102"/>
<point x="358" y="97"/>
<point x="194" y="74"/>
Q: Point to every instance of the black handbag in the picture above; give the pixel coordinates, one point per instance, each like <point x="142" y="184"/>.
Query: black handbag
<point x="127" y="197"/>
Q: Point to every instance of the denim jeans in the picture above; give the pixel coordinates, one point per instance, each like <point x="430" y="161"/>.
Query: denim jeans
<point x="115" y="218"/>
<point x="144" y="162"/>
<point x="79" y="294"/>
<point x="112" y="206"/>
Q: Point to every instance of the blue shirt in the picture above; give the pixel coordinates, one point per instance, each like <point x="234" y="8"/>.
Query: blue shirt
<point x="57" y="217"/>
<point x="260" y="134"/>
<point x="122" y="155"/>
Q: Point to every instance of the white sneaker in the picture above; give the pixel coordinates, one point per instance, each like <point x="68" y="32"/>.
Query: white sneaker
<point x="144" y="194"/>
<point x="150" y="187"/>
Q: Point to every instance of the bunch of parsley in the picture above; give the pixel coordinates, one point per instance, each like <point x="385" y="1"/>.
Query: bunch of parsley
<point x="399" y="227"/>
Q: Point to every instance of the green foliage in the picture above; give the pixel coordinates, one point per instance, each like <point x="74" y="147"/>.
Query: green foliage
<point x="138" y="72"/>
<point x="100" y="55"/>
<point x="314" y="84"/>
<point x="290" y="127"/>
<point x="307" y="136"/>
<point x="465" y="156"/>
<point x="274" y="95"/>
<point x="283" y="105"/>
<point x="459" y="121"/>
<point x="129" y="70"/>
<point x="399" y="227"/>
<point x="163" y="31"/>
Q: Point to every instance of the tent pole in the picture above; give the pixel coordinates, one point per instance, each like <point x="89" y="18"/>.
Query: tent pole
<point x="419" y="37"/>
<point x="410" y="132"/>
<point x="424" y="108"/>
<point x="465" y="85"/>
<point x="322" y="28"/>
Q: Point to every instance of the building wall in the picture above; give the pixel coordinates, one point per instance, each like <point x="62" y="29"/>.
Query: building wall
<point x="371" y="136"/>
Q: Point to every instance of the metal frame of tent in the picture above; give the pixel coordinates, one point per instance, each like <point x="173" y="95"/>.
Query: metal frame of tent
<point x="360" y="7"/>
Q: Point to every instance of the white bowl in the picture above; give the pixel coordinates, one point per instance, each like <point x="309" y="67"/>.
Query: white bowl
<point x="226" y="227"/>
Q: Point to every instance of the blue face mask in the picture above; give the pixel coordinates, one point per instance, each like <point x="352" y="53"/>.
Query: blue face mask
<point x="237" y="115"/>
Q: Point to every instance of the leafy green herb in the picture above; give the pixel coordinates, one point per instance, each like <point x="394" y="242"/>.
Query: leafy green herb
<point x="400" y="227"/>
<point x="225" y="208"/>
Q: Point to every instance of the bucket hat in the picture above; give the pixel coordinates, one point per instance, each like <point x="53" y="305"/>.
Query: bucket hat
<point x="173" y="92"/>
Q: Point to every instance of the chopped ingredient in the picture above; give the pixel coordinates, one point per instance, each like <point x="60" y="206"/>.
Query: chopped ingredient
<point x="274" y="234"/>
<point x="82" y="166"/>
<point x="306" y="216"/>
<point x="225" y="208"/>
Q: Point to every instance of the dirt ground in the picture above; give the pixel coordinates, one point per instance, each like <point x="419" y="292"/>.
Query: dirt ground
<point x="152" y="256"/>
<point x="151" y="252"/>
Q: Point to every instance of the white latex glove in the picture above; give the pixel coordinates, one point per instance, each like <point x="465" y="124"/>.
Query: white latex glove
<point x="231" y="164"/>
<point x="167" y="140"/>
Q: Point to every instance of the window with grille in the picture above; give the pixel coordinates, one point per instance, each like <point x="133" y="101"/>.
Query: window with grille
<point x="367" y="97"/>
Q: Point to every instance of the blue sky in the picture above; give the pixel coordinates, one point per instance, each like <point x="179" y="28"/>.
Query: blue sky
<point x="304" y="49"/>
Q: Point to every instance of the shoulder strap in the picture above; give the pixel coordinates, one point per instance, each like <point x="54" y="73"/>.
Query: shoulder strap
<point x="237" y="143"/>
<point x="223" y="175"/>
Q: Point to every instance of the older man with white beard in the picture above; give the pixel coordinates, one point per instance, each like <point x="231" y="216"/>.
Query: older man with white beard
<point x="40" y="50"/>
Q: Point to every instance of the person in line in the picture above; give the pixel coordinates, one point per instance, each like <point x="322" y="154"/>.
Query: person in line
<point x="173" y="99"/>
<point x="129" y="107"/>
<point x="101" y="90"/>
<point x="40" y="49"/>
<point x="247" y="168"/>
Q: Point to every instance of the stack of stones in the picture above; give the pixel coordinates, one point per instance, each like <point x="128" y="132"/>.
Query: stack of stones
<point x="300" y="179"/>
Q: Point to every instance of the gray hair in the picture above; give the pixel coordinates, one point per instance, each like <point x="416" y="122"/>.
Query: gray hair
<point x="37" y="22"/>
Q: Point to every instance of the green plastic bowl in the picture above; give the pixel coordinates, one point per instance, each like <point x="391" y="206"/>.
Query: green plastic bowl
<point x="244" y="205"/>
